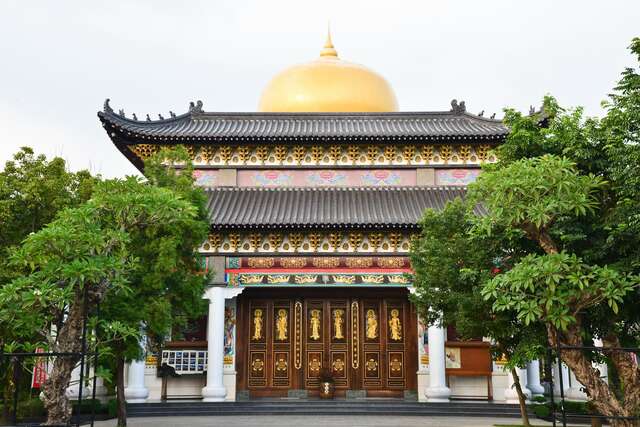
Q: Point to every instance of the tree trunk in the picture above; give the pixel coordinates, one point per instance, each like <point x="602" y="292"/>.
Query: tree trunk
<point x="55" y="387"/>
<point x="522" y="399"/>
<point x="601" y="396"/>
<point x="121" y="401"/>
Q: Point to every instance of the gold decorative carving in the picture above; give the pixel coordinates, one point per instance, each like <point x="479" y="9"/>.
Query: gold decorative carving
<point x="257" y="365"/>
<point x="372" y="365"/>
<point x="338" y="365"/>
<point x="483" y="152"/>
<point x="262" y="152"/>
<point x="243" y="153"/>
<point x="314" y="240"/>
<point x="257" y="325"/>
<point x="372" y="324"/>
<point x="355" y="239"/>
<point x="395" y="364"/>
<point x="266" y="262"/>
<point x="315" y="365"/>
<point x="293" y="262"/>
<point x="395" y="325"/>
<point x="355" y="335"/>
<point x="144" y="151"/>
<point x="329" y="262"/>
<point x="278" y="278"/>
<point x="372" y="153"/>
<point x="234" y="241"/>
<point x="255" y="239"/>
<point x="427" y="153"/>
<point x="344" y="278"/>
<point x="375" y="239"/>
<point x="445" y="151"/>
<point x="295" y="239"/>
<point x="247" y="279"/>
<point x="335" y="239"/>
<point x="315" y="324"/>
<point x="464" y="152"/>
<point x="408" y="152"/>
<point x="390" y="262"/>
<point x="298" y="153"/>
<point x="297" y="335"/>
<point x="359" y="262"/>
<point x="275" y="239"/>
<point x="316" y="153"/>
<point x="281" y="365"/>
<point x="215" y="240"/>
<point x="352" y="152"/>
<point x="225" y="153"/>
<point x="373" y="278"/>
<point x="335" y="152"/>
<point x="282" y="325"/>
<point x="395" y="239"/>
<point x="398" y="279"/>
<point x="305" y="278"/>
<point x="207" y="152"/>
<point x="190" y="149"/>
<point x="280" y="152"/>
<point x="389" y="153"/>
<point x="338" y="324"/>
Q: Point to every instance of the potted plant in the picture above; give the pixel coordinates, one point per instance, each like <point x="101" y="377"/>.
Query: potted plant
<point x="327" y="384"/>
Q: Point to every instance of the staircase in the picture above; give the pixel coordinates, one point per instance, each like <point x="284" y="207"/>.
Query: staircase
<point x="322" y="407"/>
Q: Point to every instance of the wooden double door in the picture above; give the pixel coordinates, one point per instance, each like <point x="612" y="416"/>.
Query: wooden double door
<point x="364" y="338"/>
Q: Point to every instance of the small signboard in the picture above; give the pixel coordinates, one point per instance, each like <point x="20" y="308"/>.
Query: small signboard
<point x="39" y="371"/>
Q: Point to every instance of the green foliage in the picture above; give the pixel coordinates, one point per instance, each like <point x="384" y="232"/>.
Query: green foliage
<point x="451" y="264"/>
<point x="555" y="288"/>
<point x="532" y="194"/>
<point x="112" y="408"/>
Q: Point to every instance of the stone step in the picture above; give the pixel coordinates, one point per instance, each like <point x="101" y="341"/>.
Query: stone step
<point x="322" y="408"/>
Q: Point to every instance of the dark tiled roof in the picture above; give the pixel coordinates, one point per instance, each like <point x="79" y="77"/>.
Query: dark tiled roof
<point x="400" y="207"/>
<point x="200" y="126"/>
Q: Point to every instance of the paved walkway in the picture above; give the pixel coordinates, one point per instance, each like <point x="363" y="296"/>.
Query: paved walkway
<point x="317" y="421"/>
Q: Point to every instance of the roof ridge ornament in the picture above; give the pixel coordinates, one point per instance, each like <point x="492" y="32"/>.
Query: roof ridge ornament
<point x="106" y="107"/>
<point x="458" y="108"/>
<point x="195" y="107"/>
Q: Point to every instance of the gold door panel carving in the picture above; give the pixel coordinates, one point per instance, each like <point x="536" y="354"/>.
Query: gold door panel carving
<point x="363" y="342"/>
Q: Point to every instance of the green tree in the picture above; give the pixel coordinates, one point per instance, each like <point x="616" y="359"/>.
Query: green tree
<point x="33" y="190"/>
<point x="539" y="197"/>
<point x="451" y="263"/>
<point x="76" y="260"/>
<point x="167" y="285"/>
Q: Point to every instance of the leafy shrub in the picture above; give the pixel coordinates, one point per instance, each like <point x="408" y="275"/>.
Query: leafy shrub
<point x="539" y="399"/>
<point x="112" y="408"/>
<point x="31" y="408"/>
<point x="541" y="411"/>
<point x="86" y="406"/>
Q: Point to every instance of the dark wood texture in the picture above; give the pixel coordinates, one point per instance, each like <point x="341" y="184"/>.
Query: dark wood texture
<point x="333" y="335"/>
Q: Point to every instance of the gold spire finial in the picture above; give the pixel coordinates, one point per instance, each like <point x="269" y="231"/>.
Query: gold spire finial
<point x="328" y="49"/>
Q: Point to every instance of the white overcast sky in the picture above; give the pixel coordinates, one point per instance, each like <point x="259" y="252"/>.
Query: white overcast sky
<point x="60" y="59"/>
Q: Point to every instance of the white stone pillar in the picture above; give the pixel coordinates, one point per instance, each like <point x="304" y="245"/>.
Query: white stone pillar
<point x="136" y="391"/>
<point x="564" y="371"/>
<point x="510" y="393"/>
<point x="574" y="392"/>
<point x="73" y="391"/>
<point x="215" y="390"/>
<point x="533" y="378"/>
<point x="437" y="390"/>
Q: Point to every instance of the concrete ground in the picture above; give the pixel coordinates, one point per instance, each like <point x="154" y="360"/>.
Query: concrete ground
<point x="317" y="421"/>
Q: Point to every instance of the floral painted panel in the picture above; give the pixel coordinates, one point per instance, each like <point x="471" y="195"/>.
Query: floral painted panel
<point x="206" y="178"/>
<point x="460" y="177"/>
<point x="326" y="178"/>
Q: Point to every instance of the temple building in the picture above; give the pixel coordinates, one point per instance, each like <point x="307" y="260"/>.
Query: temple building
<point x="313" y="202"/>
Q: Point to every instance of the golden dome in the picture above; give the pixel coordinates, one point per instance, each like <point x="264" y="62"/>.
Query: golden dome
<point x="328" y="84"/>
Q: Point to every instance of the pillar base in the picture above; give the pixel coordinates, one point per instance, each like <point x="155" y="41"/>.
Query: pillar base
<point x="438" y="394"/>
<point x="214" y="394"/>
<point x="136" y="395"/>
